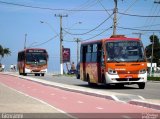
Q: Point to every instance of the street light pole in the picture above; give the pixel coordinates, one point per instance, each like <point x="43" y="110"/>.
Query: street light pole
<point x="49" y="25"/>
<point x="115" y="18"/>
<point x="152" y="55"/>
<point x="78" y="40"/>
<point x="25" y="41"/>
<point x="61" y="39"/>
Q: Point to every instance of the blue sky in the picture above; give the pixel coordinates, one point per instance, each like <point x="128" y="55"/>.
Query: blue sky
<point x="16" y="21"/>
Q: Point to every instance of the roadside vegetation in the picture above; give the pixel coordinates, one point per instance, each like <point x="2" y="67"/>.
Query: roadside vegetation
<point x="153" y="78"/>
<point x="4" y="52"/>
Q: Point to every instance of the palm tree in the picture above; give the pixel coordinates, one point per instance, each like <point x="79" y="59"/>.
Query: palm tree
<point x="3" y="52"/>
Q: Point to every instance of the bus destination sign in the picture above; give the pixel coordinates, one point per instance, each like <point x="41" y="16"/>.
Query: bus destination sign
<point x="36" y="51"/>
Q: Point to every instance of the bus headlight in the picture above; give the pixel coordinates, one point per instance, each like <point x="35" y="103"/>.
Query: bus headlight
<point x="143" y="71"/>
<point x="111" y="71"/>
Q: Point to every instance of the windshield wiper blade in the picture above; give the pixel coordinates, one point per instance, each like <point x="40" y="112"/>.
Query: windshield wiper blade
<point x="116" y="60"/>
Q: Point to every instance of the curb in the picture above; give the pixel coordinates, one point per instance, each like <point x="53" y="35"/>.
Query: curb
<point x="141" y="102"/>
<point x="145" y="104"/>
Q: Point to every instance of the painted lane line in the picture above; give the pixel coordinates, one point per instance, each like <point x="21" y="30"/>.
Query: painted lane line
<point x="100" y="108"/>
<point x="52" y="94"/>
<point x="80" y="102"/>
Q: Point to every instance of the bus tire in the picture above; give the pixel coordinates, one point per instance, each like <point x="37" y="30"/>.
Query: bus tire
<point x="24" y="74"/>
<point x="141" y="85"/>
<point x="42" y="74"/>
<point x="89" y="83"/>
<point x="20" y="73"/>
<point x="77" y="76"/>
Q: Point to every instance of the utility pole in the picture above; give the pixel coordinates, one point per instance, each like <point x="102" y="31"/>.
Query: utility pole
<point x="115" y="18"/>
<point x="61" y="39"/>
<point x="152" y="56"/>
<point x="140" y="35"/>
<point x="78" y="40"/>
<point x="25" y="39"/>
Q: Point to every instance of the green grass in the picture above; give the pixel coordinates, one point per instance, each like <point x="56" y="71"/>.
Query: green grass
<point x="153" y="78"/>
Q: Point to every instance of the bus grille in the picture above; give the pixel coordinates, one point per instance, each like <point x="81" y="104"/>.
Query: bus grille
<point x="127" y="79"/>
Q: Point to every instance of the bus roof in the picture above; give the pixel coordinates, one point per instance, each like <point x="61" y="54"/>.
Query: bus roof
<point x="112" y="38"/>
<point x="24" y="50"/>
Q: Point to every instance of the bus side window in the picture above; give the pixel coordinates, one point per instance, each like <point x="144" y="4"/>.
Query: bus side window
<point x="89" y="53"/>
<point x="94" y="53"/>
<point x="102" y="58"/>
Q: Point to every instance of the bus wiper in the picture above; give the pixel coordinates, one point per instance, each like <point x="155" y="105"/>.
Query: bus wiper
<point x="115" y="60"/>
<point x="140" y="59"/>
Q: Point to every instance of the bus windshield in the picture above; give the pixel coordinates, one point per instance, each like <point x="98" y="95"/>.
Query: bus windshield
<point x="125" y="51"/>
<point x="36" y="58"/>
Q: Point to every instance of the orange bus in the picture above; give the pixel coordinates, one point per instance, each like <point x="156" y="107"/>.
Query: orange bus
<point x="116" y="60"/>
<point x="32" y="61"/>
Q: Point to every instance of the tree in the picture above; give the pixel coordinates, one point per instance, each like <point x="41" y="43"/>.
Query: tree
<point x="156" y="49"/>
<point x="3" y="52"/>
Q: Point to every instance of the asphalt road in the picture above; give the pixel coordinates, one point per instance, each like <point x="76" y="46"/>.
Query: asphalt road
<point x="151" y="90"/>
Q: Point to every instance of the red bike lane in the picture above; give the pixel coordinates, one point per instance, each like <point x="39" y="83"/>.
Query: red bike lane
<point x="77" y="104"/>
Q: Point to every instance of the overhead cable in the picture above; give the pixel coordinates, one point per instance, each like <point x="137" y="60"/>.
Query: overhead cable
<point x="137" y="15"/>
<point x="137" y="29"/>
<point x="89" y="30"/>
<point x="47" y="8"/>
<point x="46" y="41"/>
<point x="97" y="34"/>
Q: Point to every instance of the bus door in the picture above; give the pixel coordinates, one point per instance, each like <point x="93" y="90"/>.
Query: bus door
<point x="96" y="62"/>
<point x="99" y="63"/>
<point x="83" y="62"/>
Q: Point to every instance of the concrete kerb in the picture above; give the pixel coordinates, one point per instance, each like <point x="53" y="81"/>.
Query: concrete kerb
<point x="110" y="96"/>
<point x="145" y="104"/>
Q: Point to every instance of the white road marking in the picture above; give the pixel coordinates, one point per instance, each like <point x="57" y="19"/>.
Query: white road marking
<point x="80" y="102"/>
<point x="52" y="94"/>
<point x="100" y="108"/>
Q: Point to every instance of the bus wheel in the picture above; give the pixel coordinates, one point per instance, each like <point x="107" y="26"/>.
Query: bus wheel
<point x="89" y="83"/>
<point x="42" y="74"/>
<point x="141" y="85"/>
<point x="20" y="73"/>
<point x="24" y="74"/>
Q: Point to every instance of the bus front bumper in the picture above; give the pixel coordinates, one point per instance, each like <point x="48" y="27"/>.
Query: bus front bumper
<point x="113" y="79"/>
<point x="29" y="71"/>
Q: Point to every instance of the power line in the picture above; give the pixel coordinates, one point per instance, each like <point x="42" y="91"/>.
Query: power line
<point x="103" y="7"/>
<point x="137" y="29"/>
<point x="46" y="41"/>
<point x="136" y="15"/>
<point x="51" y="9"/>
<point x="97" y="34"/>
<point x="89" y="30"/>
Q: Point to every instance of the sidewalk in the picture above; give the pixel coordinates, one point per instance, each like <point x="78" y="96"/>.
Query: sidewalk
<point x="13" y="102"/>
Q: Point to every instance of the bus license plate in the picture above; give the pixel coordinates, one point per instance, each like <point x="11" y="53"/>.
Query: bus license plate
<point x="129" y="77"/>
